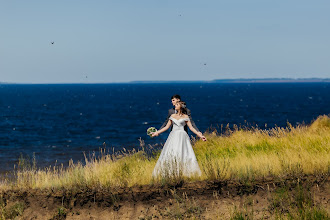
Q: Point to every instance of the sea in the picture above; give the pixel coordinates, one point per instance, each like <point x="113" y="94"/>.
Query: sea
<point x="59" y="122"/>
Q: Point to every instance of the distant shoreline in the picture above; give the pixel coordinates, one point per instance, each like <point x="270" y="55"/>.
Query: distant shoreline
<point x="219" y="81"/>
<point x="260" y="80"/>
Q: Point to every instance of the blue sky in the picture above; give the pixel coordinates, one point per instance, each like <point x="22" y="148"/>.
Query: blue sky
<point x="120" y="41"/>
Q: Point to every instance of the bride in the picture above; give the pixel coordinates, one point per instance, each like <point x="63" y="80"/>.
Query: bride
<point x="177" y="157"/>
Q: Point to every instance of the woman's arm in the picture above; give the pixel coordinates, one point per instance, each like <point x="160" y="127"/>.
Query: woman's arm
<point x="198" y="133"/>
<point x="168" y="125"/>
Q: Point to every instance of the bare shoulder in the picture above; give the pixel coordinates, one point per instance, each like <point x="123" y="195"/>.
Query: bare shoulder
<point x="185" y="116"/>
<point x="173" y="115"/>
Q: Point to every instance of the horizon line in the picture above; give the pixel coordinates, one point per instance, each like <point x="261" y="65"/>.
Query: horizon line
<point x="229" y="80"/>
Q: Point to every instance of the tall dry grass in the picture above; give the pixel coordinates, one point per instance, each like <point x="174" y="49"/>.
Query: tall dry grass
<point x="240" y="155"/>
<point x="278" y="152"/>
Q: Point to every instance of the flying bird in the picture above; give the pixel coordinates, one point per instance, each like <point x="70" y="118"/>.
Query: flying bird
<point x="52" y="42"/>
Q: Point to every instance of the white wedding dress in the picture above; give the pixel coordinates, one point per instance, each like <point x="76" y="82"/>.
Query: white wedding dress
<point x="177" y="157"/>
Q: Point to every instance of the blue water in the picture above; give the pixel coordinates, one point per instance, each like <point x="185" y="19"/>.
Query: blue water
<point x="60" y="122"/>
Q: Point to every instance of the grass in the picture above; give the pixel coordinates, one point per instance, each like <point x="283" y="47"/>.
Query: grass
<point x="61" y="213"/>
<point x="296" y="204"/>
<point x="182" y="207"/>
<point x="243" y="155"/>
<point x="10" y="212"/>
<point x="241" y="215"/>
<point x="285" y="203"/>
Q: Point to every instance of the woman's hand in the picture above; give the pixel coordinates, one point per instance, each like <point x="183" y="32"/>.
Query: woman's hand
<point x="155" y="134"/>
<point x="201" y="136"/>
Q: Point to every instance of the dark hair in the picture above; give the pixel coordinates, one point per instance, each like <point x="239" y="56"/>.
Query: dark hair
<point x="176" y="96"/>
<point x="183" y="107"/>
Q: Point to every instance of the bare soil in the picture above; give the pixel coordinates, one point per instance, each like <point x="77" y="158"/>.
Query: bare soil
<point x="183" y="200"/>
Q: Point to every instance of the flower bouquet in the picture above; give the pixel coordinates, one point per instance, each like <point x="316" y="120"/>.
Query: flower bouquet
<point x="151" y="130"/>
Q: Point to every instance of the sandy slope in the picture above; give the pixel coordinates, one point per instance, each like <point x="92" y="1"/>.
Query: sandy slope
<point x="201" y="200"/>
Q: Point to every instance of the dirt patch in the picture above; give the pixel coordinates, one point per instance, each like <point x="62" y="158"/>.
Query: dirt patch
<point x="202" y="200"/>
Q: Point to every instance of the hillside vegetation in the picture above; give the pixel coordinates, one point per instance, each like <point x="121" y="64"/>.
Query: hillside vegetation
<point x="241" y="155"/>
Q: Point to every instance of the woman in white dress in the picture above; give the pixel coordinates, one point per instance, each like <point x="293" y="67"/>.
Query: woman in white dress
<point x="177" y="157"/>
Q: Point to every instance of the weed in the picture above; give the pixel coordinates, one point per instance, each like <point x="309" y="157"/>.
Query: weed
<point x="11" y="212"/>
<point x="241" y="214"/>
<point x="295" y="204"/>
<point x="183" y="208"/>
<point x="60" y="214"/>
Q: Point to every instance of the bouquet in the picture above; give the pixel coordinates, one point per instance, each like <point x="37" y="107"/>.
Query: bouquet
<point x="151" y="130"/>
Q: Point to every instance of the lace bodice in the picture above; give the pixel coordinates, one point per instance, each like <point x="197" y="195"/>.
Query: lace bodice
<point x="178" y="124"/>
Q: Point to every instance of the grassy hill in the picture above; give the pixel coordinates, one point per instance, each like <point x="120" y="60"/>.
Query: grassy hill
<point x="281" y="173"/>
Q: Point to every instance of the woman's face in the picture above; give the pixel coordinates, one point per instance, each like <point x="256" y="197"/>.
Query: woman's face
<point x="177" y="106"/>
